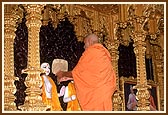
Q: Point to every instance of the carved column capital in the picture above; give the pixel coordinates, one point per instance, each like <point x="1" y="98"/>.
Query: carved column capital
<point x="34" y="15"/>
<point x="33" y="23"/>
<point x="123" y="33"/>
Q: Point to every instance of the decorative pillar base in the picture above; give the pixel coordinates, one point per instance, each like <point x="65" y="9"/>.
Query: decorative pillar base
<point x="142" y="96"/>
<point x="117" y="101"/>
<point x="9" y="91"/>
<point x="33" y="100"/>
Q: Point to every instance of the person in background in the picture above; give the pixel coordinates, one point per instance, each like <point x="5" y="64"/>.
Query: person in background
<point x="132" y="102"/>
<point x="94" y="77"/>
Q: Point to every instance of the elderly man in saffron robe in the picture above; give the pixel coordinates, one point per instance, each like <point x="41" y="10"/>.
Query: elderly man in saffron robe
<point x="94" y="77"/>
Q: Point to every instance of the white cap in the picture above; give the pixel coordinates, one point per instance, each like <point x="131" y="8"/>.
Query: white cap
<point x="59" y="65"/>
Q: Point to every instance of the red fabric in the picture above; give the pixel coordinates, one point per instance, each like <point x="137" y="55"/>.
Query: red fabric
<point x="95" y="79"/>
<point x="152" y="103"/>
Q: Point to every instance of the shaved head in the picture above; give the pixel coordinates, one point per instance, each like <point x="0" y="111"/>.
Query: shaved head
<point x="90" y="40"/>
<point x="92" y="37"/>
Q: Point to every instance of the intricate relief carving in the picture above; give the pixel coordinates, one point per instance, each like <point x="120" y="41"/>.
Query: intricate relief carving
<point x="142" y="97"/>
<point x="83" y="22"/>
<point x="104" y="8"/>
<point x="103" y="27"/>
<point x="138" y="18"/>
<point x="33" y="100"/>
<point x="10" y="20"/>
<point x="117" y="101"/>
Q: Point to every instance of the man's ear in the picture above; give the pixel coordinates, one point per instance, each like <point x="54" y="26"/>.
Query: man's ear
<point x="90" y="42"/>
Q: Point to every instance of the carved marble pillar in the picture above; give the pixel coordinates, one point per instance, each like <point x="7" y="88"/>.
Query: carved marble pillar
<point x="115" y="56"/>
<point x="139" y="36"/>
<point x="112" y="44"/>
<point x="161" y="77"/>
<point x="142" y="87"/>
<point x="113" y="49"/>
<point x="158" y="55"/>
<point x="33" y="100"/>
<point x="140" y="48"/>
<point x="156" y="32"/>
<point x="121" y="85"/>
<point x="10" y="19"/>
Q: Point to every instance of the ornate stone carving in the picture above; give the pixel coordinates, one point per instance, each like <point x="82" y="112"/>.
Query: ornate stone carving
<point x="103" y="29"/>
<point x="142" y="96"/>
<point x="82" y="20"/>
<point x="33" y="81"/>
<point x="117" y="101"/>
<point x="138" y="21"/>
<point x="142" y="93"/>
<point x="10" y="19"/>
<point x="45" y="15"/>
<point x="104" y="8"/>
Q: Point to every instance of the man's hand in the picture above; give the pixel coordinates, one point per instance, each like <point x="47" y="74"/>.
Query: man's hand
<point x="59" y="74"/>
<point x="64" y="76"/>
<point x="73" y="97"/>
<point x="65" y="79"/>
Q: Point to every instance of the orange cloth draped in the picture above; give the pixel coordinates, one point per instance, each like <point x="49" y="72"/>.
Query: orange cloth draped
<point x="54" y="102"/>
<point x="72" y="105"/>
<point x="95" y="79"/>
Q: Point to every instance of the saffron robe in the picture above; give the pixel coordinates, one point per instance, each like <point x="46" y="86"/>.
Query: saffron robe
<point x="95" y="79"/>
<point x="52" y="102"/>
<point x="74" y="104"/>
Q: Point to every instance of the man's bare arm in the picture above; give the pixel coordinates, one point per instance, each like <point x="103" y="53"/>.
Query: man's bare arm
<point x="61" y="74"/>
<point x="64" y="76"/>
<point x="67" y="74"/>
